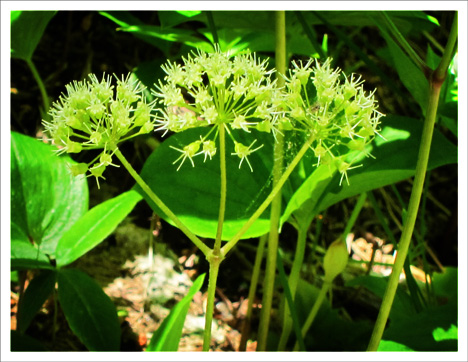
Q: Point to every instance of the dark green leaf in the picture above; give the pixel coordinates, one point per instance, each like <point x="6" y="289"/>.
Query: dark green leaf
<point x="410" y="75"/>
<point x="167" y="337"/>
<point x="446" y="284"/>
<point x="46" y="199"/>
<point x="94" y="226"/>
<point x="90" y="313"/>
<point x="23" y="343"/>
<point x="424" y="331"/>
<point x="172" y="18"/>
<point x="402" y="306"/>
<point x="329" y="332"/>
<point x="192" y="193"/>
<point x="25" y="255"/>
<point x="395" y="160"/>
<point x="37" y="292"/>
<point x="27" y="28"/>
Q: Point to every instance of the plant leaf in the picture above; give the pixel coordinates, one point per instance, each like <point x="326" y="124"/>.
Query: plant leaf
<point x="425" y="331"/>
<point x="27" y="28"/>
<point x="46" y="199"/>
<point x="37" y="292"/>
<point x="94" y="226"/>
<point x="395" y="160"/>
<point x="167" y="336"/>
<point x="192" y="193"/>
<point x="23" y="254"/>
<point x="90" y="313"/>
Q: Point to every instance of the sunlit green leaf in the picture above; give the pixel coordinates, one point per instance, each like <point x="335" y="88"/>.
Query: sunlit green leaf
<point x="46" y="199"/>
<point x="94" y="226"/>
<point x="167" y="336"/>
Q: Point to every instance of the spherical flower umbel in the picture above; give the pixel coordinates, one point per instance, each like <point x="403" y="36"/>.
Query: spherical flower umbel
<point x="217" y="90"/>
<point x="98" y="115"/>
<point x="337" y="112"/>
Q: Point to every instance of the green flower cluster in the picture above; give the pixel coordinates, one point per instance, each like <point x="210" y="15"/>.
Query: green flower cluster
<point x="216" y="90"/>
<point x="236" y="93"/>
<point x="339" y="113"/>
<point x="94" y="115"/>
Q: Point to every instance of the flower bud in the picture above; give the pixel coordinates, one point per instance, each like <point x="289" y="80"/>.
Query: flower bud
<point x="335" y="260"/>
<point x="78" y="169"/>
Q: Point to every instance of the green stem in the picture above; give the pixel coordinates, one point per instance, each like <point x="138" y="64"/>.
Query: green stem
<point x="252" y="291"/>
<point x="216" y="257"/>
<point x="294" y="279"/>
<point x="214" y="261"/>
<point x="275" y="212"/>
<point x="144" y="186"/>
<point x="401" y="41"/>
<point x="435" y="84"/>
<point x="231" y="243"/>
<point x="40" y="83"/>
<point x="314" y="311"/>
<point x="354" y="215"/>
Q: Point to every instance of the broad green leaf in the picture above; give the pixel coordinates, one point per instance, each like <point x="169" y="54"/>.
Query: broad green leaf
<point x="37" y="292"/>
<point x="422" y="331"/>
<point x="395" y="160"/>
<point x="167" y="337"/>
<point x="192" y="193"/>
<point x="391" y="346"/>
<point x="24" y="343"/>
<point x="441" y="334"/>
<point x="90" y="313"/>
<point x="27" y="28"/>
<point x="94" y="226"/>
<point x="46" y="199"/>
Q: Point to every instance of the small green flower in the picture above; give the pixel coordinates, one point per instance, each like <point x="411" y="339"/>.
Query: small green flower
<point x="339" y="113"/>
<point x="96" y="114"/>
<point x="234" y="92"/>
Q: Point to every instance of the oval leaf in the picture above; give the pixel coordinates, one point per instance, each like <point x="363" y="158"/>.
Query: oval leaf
<point x="46" y="199"/>
<point x="193" y="193"/>
<point x="167" y="337"/>
<point x="34" y="297"/>
<point x="93" y="227"/>
<point x="90" y="313"/>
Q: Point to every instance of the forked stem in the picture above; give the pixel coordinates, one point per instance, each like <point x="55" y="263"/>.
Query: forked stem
<point x="144" y="186"/>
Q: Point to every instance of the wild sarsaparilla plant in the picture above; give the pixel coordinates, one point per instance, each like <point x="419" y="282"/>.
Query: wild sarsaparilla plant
<point x="219" y="94"/>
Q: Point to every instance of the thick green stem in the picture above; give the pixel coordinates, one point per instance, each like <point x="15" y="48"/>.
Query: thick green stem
<point x="144" y="186"/>
<point x="275" y="213"/>
<point x="435" y="84"/>
<point x="214" y="261"/>
<point x="216" y="257"/>
<point x="252" y="291"/>
<point x="40" y="83"/>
